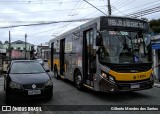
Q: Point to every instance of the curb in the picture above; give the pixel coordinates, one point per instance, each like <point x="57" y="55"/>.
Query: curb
<point x="157" y="85"/>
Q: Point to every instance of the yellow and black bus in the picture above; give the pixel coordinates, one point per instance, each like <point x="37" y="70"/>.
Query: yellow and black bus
<point x="109" y="54"/>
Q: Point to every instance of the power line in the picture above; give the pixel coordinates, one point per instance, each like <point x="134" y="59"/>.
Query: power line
<point x="45" y="31"/>
<point x="150" y="7"/>
<point x="117" y="2"/>
<point x="53" y="10"/>
<point x="125" y="3"/>
<point x="70" y="17"/>
<point x="53" y="22"/>
<point x="95" y="7"/>
<point x="118" y="10"/>
<point x="140" y="6"/>
<point x="145" y="12"/>
<point x="122" y="5"/>
<point x="44" y="2"/>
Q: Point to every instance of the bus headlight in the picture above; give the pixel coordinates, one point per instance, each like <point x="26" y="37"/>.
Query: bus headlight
<point x="111" y="79"/>
<point x="103" y="74"/>
<point x="14" y="85"/>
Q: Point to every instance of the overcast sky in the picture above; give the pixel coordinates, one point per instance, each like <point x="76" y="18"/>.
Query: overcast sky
<point x="16" y="12"/>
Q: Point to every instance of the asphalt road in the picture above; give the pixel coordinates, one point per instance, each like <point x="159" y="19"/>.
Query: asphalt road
<point x="65" y="94"/>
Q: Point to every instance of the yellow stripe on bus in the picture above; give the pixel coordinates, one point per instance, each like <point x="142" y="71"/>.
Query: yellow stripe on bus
<point x="131" y="76"/>
<point x="57" y="62"/>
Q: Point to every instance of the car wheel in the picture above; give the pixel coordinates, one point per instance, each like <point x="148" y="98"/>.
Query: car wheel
<point x="50" y="96"/>
<point x="8" y="97"/>
<point x="78" y="80"/>
<point x="56" y="73"/>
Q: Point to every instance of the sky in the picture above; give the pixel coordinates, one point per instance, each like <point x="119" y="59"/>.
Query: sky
<point x="21" y="12"/>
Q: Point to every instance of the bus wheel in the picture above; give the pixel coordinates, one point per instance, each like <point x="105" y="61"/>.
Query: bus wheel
<point x="56" y="73"/>
<point x="78" y="80"/>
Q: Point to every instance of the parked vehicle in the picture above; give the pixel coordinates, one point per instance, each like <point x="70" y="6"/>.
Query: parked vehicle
<point x="108" y="54"/>
<point x="27" y="79"/>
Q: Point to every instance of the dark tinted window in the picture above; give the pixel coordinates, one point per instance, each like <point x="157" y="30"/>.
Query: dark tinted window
<point x="26" y="67"/>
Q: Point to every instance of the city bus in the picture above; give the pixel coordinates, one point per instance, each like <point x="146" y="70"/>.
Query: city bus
<point x="107" y="54"/>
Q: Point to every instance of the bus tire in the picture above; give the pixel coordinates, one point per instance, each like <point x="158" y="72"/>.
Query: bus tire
<point x="78" y="80"/>
<point x="8" y="98"/>
<point x="56" y="73"/>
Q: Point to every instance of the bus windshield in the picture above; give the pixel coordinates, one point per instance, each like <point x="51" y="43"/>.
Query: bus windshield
<point x="124" y="47"/>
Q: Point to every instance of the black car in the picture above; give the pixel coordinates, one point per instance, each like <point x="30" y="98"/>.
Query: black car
<point x="27" y="79"/>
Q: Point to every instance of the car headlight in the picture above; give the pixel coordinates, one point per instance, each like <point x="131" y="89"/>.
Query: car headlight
<point x="14" y="85"/>
<point x="49" y="83"/>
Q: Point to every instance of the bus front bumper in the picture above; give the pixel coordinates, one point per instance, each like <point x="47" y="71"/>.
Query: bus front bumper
<point x="122" y="86"/>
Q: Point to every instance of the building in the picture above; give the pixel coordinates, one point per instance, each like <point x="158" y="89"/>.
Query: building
<point x="17" y="45"/>
<point x="17" y="49"/>
<point x="43" y="51"/>
<point x="156" y="54"/>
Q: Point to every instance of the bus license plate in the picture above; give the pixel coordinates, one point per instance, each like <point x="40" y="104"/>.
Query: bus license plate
<point x="135" y="86"/>
<point x="34" y="92"/>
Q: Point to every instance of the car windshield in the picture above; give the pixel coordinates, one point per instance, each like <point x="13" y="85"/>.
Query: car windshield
<point x="26" y="68"/>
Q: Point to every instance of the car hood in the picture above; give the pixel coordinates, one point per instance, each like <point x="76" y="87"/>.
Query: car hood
<point x="29" y="78"/>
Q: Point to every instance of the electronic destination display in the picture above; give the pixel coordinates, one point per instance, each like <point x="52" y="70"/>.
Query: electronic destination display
<point x="123" y="23"/>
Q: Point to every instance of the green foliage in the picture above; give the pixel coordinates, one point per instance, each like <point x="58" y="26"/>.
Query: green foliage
<point x="155" y="26"/>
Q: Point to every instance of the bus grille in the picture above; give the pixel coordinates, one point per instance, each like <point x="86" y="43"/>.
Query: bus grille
<point x="130" y="70"/>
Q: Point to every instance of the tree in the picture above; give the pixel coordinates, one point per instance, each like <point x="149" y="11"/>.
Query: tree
<point x="155" y="26"/>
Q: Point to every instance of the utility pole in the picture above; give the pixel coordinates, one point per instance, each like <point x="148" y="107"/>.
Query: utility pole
<point x="95" y="7"/>
<point x="9" y="47"/>
<point x="25" y="44"/>
<point x="41" y="50"/>
<point x="109" y="8"/>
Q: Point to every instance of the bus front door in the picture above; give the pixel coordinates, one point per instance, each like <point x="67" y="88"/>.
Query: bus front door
<point x="51" y="56"/>
<point x="89" y="58"/>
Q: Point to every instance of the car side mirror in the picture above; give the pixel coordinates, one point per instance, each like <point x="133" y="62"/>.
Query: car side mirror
<point x="98" y="40"/>
<point x="47" y="70"/>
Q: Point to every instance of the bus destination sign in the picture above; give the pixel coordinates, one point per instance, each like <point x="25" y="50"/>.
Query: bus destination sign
<point x="126" y="23"/>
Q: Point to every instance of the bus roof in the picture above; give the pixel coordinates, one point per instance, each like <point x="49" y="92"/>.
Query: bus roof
<point x="95" y="20"/>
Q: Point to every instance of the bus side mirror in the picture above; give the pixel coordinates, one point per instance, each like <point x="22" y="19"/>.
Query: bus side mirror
<point x="98" y="40"/>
